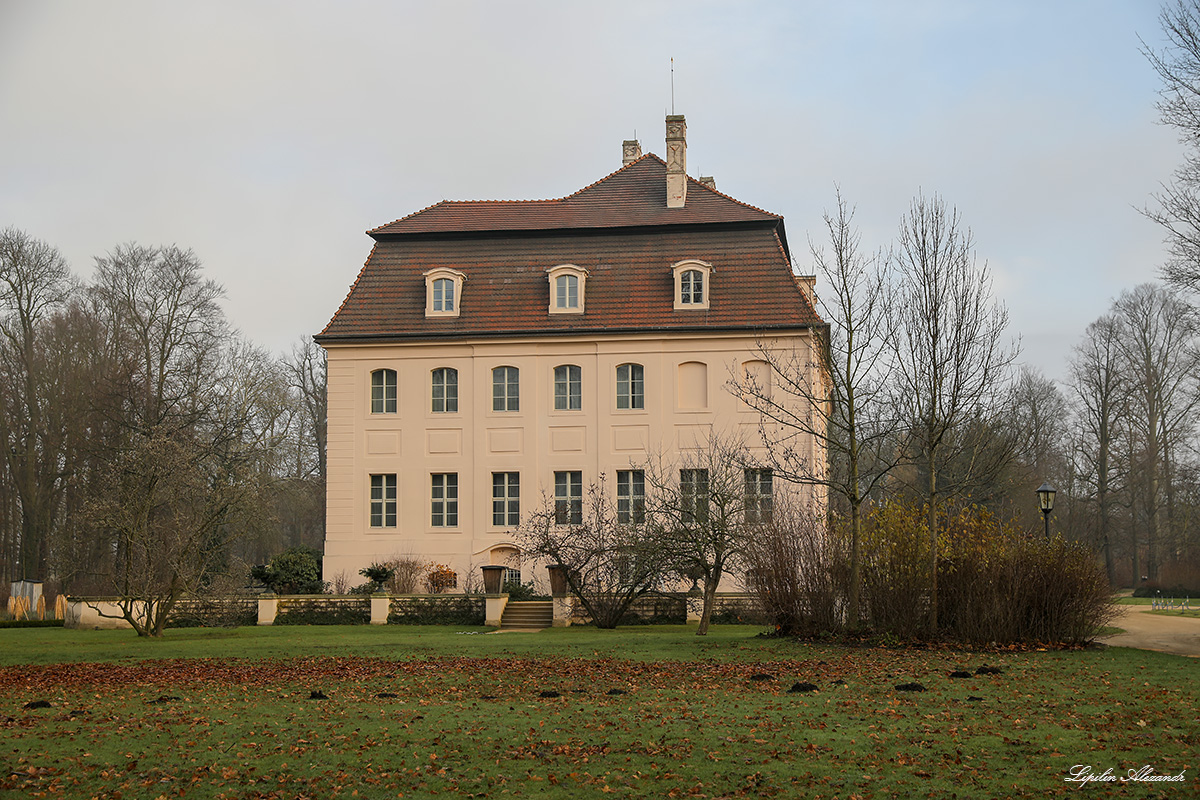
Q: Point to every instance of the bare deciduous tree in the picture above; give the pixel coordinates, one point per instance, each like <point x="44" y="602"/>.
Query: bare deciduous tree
<point x="34" y="283"/>
<point x="835" y="393"/>
<point x="1178" y="65"/>
<point x="1098" y="386"/>
<point x="1161" y="359"/>
<point x="608" y="564"/>
<point x="951" y="359"/>
<point x="708" y="504"/>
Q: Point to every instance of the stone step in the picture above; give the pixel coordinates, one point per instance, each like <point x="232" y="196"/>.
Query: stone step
<point x="528" y="614"/>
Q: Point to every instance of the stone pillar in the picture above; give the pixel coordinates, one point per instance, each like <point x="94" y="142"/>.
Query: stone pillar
<point x="381" y="605"/>
<point x="494" y="609"/>
<point x="564" y="610"/>
<point x="268" y="606"/>
<point x="676" y="161"/>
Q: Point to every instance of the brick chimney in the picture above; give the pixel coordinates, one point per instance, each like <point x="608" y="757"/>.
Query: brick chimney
<point x="631" y="150"/>
<point x="676" y="161"/>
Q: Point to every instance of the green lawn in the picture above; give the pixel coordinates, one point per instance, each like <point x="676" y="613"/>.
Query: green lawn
<point x="640" y="712"/>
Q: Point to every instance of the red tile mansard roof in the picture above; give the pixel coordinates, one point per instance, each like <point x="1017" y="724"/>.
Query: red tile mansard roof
<point x="618" y="229"/>
<point x="634" y="195"/>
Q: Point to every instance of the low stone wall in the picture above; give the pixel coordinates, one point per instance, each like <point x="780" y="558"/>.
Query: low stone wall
<point x="322" y="610"/>
<point x="437" y="609"/>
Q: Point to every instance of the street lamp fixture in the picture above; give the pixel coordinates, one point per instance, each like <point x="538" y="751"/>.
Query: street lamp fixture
<point x="1045" y="494"/>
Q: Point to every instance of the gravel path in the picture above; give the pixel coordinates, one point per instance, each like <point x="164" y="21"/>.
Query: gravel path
<point x="1146" y="631"/>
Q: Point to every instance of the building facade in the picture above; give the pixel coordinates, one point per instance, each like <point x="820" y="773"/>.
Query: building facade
<point x="496" y="357"/>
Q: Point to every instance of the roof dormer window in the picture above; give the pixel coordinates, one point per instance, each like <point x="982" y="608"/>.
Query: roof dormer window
<point x="566" y="288"/>
<point x="443" y="292"/>
<point x="692" y="283"/>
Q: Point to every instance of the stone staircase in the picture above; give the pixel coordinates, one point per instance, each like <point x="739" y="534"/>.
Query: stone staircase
<point x="528" y="614"/>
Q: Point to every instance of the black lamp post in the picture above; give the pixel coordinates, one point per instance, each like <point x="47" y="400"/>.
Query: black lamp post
<point x="1045" y="494"/>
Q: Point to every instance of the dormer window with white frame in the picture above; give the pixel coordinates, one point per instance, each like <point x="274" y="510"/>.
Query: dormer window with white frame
<point x="567" y="283"/>
<point x="443" y="292"/>
<point x="692" y="284"/>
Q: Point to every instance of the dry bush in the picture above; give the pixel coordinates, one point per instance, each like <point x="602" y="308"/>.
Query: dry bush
<point x="408" y="574"/>
<point x="895" y="569"/>
<point x="795" y="569"/>
<point x="999" y="585"/>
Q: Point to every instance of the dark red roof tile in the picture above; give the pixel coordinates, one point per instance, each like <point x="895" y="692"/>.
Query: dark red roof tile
<point x="619" y="229"/>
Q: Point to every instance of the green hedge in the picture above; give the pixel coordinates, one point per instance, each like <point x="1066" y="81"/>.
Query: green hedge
<point x="445" y="610"/>
<point x="324" y="612"/>
<point x="31" y="623"/>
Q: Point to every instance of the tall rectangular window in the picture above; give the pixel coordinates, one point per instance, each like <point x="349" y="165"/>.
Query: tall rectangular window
<point x="445" y="500"/>
<point x="506" y="389"/>
<point x="506" y="500"/>
<point x="691" y="287"/>
<point x="568" y="388"/>
<point x="568" y="498"/>
<point x="693" y="493"/>
<point x="631" y="386"/>
<point x="383" y="391"/>
<point x="566" y="289"/>
<point x="759" y="501"/>
<point x="445" y="390"/>
<point x="631" y="496"/>
<point x="443" y="294"/>
<point x="383" y="501"/>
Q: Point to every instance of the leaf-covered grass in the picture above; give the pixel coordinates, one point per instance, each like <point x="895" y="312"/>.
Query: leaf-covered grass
<point x="645" y="712"/>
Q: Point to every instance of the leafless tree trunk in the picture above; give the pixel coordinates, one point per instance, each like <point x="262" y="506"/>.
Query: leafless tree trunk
<point x="1098" y="385"/>
<point x="34" y="283"/>
<point x="1160" y="356"/>
<point x="835" y="391"/>
<point x="950" y="355"/>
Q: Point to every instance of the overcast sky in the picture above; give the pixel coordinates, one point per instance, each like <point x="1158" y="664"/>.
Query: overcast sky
<point x="268" y="136"/>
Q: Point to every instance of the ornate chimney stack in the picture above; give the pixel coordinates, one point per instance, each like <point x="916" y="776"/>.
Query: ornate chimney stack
<point x="676" y="161"/>
<point x="631" y="150"/>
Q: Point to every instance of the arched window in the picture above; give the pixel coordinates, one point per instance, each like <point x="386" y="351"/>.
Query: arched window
<point x="506" y="389"/>
<point x="443" y="294"/>
<point x="567" y="283"/>
<point x="445" y="390"/>
<point x="383" y="391"/>
<point x="443" y="291"/>
<point x="631" y="386"/>
<point x="568" y="388"/>
<point x="691" y="284"/>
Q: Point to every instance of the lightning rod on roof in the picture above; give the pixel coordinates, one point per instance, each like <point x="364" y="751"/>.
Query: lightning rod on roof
<point x="672" y="85"/>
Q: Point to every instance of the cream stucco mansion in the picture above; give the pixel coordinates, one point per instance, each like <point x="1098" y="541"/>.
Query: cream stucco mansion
<point x="493" y="356"/>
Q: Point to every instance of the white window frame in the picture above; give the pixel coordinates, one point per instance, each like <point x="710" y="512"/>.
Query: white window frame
<point x="448" y="398"/>
<point x="568" y="497"/>
<point x="384" y="394"/>
<point x="568" y="378"/>
<point x="506" y="499"/>
<point x="566" y="271"/>
<point x="432" y="307"/>
<point x="760" y="497"/>
<point x="382" y="506"/>
<point x="705" y="270"/>
<point x="631" y="389"/>
<point x="631" y="496"/>
<point x="509" y="400"/>
<point x="443" y="500"/>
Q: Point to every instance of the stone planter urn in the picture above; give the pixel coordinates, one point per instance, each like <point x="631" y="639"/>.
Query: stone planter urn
<point x="558" y="580"/>
<point x="493" y="579"/>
